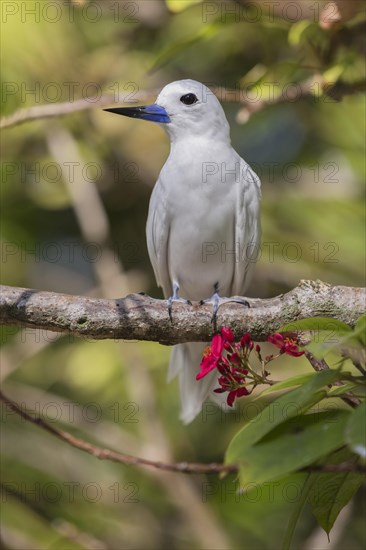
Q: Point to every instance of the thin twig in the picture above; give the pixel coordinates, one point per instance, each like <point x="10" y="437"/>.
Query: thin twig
<point x="294" y="91"/>
<point x="347" y="466"/>
<point x="108" y="454"/>
<point x="319" y="365"/>
<point x="49" y="110"/>
<point x="38" y="112"/>
<point x="179" y="467"/>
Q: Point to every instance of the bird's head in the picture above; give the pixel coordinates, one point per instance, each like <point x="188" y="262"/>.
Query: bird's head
<point x="184" y="108"/>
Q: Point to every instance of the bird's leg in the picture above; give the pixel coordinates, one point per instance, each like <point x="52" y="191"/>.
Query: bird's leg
<point x="218" y="301"/>
<point x="175" y="298"/>
<point x="214" y="301"/>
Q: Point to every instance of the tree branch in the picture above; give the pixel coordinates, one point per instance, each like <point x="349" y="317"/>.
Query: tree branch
<point x="315" y="87"/>
<point x="69" y="107"/>
<point x="179" y="467"/>
<point x="108" y="454"/>
<point x="295" y="91"/>
<point x="139" y="317"/>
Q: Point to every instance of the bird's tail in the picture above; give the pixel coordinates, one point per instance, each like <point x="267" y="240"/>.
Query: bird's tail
<point x="185" y="361"/>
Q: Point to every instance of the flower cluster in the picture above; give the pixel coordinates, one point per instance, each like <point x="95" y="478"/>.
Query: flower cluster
<point x="287" y="345"/>
<point x="234" y="364"/>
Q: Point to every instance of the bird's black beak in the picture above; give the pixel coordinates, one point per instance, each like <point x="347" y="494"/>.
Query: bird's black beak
<point x="153" y="112"/>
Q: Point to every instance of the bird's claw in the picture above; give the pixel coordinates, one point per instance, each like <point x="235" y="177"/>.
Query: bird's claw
<point x="175" y="298"/>
<point x="218" y="301"/>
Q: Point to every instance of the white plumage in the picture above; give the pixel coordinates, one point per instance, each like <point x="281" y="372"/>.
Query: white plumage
<point x="203" y="228"/>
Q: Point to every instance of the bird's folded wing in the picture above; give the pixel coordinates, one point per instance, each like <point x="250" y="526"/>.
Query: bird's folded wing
<point x="247" y="228"/>
<point x="157" y="235"/>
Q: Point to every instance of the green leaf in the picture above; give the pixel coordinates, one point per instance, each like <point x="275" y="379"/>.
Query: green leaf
<point x="179" y="47"/>
<point x="305" y="30"/>
<point x="297" y="31"/>
<point x="323" y="341"/>
<point x="340" y="390"/>
<point x="305" y="440"/>
<point x="331" y="492"/>
<point x="316" y="324"/>
<point x="297" y="509"/>
<point x="177" y="6"/>
<point x="289" y="383"/>
<point x="356" y="431"/>
<point x="302" y="422"/>
<point x="357" y="337"/>
<point x="286" y="406"/>
<point x="334" y="73"/>
<point x="360" y="329"/>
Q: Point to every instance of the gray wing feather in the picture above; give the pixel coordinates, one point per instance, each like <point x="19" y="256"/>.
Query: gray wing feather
<point x="247" y="228"/>
<point x="157" y="236"/>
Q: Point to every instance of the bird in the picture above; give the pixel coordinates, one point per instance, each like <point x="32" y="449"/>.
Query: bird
<point x="203" y="226"/>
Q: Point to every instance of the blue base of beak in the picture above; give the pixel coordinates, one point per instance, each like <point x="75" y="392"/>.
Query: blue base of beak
<point x="153" y="112"/>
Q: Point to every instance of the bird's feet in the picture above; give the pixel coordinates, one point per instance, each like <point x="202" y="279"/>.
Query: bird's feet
<point x="216" y="301"/>
<point x="175" y="298"/>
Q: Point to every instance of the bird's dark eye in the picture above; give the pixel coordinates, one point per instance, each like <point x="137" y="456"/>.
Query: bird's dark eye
<point x="189" y="99"/>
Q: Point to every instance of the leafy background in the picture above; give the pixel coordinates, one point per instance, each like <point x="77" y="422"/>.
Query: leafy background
<point x="75" y="194"/>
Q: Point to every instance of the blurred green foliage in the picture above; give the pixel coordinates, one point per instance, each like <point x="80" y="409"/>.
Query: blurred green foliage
<point x="59" y="234"/>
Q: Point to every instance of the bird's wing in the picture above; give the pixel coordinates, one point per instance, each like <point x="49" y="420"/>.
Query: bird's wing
<point x="247" y="228"/>
<point x="157" y="235"/>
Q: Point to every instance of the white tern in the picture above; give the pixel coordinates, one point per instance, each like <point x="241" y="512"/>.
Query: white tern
<point x="203" y="227"/>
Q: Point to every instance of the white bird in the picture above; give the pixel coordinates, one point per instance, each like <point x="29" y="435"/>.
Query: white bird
<point x="203" y="227"/>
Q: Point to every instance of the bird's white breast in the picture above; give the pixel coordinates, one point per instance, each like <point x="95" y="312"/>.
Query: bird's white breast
<point x="200" y="185"/>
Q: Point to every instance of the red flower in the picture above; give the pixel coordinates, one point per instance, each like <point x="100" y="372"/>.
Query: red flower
<point x="234" y="394"/>
<point x="230" y="367"/>
<point x="233" y="382"/>
<point x="285" y="345"/>
<point x="246" y="340"/>
<point x="276" y="339"/>
<point x="227" y="335"/>
<point x="212" y="356"/>
<point x="234" y="358"/>
<point x="292" y="349"/>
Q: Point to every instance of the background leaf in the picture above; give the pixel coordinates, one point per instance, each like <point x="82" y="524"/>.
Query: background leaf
<point x="331" y="492"/>
<point x="298" y="380"/>
<point x="290" y="405"/>
<point x="179" y="5"/>
<point x="356" y="431"/>
<point x="303" y="440"/>
<point x="317" y="324"/>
